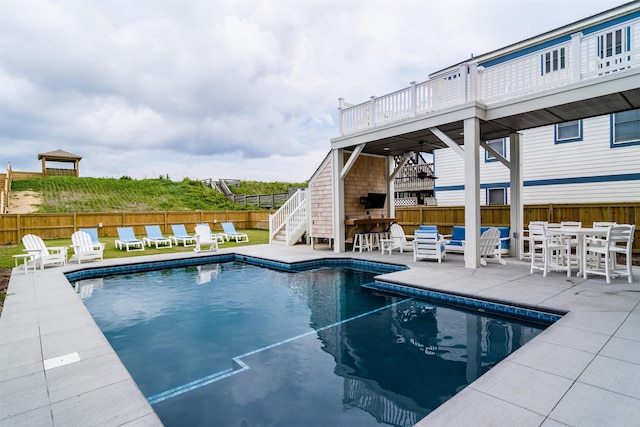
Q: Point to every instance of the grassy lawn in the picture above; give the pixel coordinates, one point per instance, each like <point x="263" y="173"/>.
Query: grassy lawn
<point x="256" y="237"/>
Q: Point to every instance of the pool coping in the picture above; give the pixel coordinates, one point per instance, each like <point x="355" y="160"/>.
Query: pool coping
<point x="44" y="320"/>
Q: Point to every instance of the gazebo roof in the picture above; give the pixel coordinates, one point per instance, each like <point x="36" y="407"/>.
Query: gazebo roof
<point x="59" y="155"/>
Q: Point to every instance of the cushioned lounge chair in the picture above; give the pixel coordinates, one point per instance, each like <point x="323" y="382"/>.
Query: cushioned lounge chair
<point x="84" y="248"/>
<point x="180" y="235"/>
<point x="41" y="254"/>
<point x="428" y="245"/>
<point x="231" y="233"/>
<point x="127" y="239"/>
<point x="93" y="232"/>
<point x="154" y="235"/>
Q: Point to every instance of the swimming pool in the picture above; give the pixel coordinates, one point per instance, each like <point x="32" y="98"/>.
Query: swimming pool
<point x="231" y="343"/>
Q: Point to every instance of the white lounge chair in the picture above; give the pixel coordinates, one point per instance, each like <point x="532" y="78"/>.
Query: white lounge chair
<point x="397" y="240"/>
<point x="490" y="247"/>
<point x="180" y="235"/>
<point x="154" y="235"/>
<point x="93" y="232"/>
<point x="230" y="233"/>
<point x="41" y="254"/>
<point x="428" y="245"/>
<point x="205" y="237"/>
<point x="84" y="248"/>
<point x="127" y="239"/>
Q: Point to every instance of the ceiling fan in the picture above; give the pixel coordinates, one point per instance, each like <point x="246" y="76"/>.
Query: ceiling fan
<point x="423" y="174"/>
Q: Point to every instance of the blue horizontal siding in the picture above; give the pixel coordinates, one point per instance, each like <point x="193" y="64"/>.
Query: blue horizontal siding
<point x="552" y="181"/>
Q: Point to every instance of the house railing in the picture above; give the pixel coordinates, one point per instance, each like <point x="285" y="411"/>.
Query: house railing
<point x="409" y="178"/>
<point x="579" y="58"/>
<point x="290" y="214"/>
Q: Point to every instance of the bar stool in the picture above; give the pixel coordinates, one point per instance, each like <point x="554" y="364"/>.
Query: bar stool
<point x="360" y="242"/>
<point x="374" y="240"/>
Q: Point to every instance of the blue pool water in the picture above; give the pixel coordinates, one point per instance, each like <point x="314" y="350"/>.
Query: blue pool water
<point x="238" y="344"/>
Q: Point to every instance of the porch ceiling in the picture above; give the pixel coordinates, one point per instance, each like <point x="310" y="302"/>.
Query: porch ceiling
<point x="501" y="125"/>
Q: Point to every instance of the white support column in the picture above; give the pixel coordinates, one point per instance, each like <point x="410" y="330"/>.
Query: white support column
<point x="515" y="190"/>
<point x="472" y="192"/>
<point x="391" y="188"/>
<point x="337" y="157"/>
<point x="576" y="40"/>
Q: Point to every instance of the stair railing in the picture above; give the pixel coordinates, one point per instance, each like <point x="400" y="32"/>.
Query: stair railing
<point x="278" y="220"/>
<point x="296" y="222"/>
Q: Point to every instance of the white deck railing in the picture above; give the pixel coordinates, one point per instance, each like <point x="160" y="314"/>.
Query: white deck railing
<point x="580" y="58"/>
<point x="408" y="178"/>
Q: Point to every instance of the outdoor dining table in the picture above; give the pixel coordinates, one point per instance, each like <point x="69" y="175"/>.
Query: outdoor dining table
<point x="578" y="234"/>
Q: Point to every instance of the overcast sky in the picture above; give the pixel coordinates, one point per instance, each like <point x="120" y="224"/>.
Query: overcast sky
<point x="227" y="89"/>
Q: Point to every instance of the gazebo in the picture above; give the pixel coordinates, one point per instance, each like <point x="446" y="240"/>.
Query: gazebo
<point x="60" y="156"/>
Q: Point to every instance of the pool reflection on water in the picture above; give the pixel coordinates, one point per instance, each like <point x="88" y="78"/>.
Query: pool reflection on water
<point x="239" y="344"/>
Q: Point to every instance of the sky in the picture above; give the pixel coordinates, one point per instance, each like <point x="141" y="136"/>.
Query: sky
<point x="227" y="89"/>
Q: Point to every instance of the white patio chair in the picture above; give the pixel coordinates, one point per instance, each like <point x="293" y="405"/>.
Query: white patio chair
<point x="428" y="245"/>
<point x="84" y="248"/>
<point x="601" y="224"/>
<point x="93" y="232"/>
<point x="218" y="236"/>
<point x="204" y="237"/>
<point x="618" y="241"/>
<point x="526" y="254"/>
<point x="490" y="247"/>
<point x="547" y="253"/>
<point x="43" y="255"/>
<point x="398" y="239"/>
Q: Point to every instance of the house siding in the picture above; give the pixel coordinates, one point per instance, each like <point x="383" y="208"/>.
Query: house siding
<point x="366" y="176"/>
<point x="321" y="193"/>
<point x="590" y="170"/>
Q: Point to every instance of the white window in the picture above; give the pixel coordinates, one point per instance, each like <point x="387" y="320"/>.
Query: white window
<point x="625" y="128"/>
<point x="497" y="144"/>
<point x="568" y="131"/>
<point x="496" y="196"/>
<point x="614" y="42"/>
<point x="553" y="60"/>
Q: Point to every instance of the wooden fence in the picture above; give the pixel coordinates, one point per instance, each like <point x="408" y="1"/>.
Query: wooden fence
<point x="52" y="226"/>
<point x="445" y="217"/>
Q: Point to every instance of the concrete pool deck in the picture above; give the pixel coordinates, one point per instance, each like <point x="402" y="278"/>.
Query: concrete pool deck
<point x="57" y="368"/>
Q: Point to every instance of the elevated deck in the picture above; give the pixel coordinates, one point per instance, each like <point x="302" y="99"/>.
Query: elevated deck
<point x="581" y="70"/>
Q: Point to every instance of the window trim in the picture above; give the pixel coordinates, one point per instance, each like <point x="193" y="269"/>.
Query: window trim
<point x="488" y="157"/>
<point x="556" y="140"/>
<point x="612" y="131"/>
<point x="488" y="199"/>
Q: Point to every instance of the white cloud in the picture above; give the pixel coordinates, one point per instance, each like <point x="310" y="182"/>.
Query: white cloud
<point x="235" y="89"/>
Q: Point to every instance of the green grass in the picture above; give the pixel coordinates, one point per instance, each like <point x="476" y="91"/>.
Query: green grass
<point x="256" y="237"/>
<point x="251" y="188"/>
<point x="70" y="194"/>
